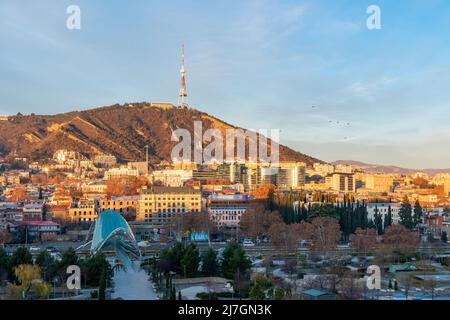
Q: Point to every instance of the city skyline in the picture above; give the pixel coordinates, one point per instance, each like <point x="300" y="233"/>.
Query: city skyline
<point x="337" y="89"/>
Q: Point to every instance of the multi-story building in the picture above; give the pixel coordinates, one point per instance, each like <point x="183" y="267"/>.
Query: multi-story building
<point x="341" y="182"/>
<point x="171" y="178"/>
<point x="291" y="175"/>
<point x="323" y="169"/>
<point x="86" y="210"/>
<point x="158" y="204"/>
<point x="379" y="183"/>
<point x="105" y="160"/>
<point x="33" y="212"/>
<point x="383" y="209"/>
<point x="343" y="168"/>
<point x="94" y="187"/>
<point x="141" y="167"/>
<point x="226" y="210"/>
<point x="126" y="206"/>
<point x="121" y="172"/>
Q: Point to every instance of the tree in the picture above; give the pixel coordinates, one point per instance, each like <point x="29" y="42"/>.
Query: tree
<point x="257" y="293"/>
<point x="68" y="258"/>
<point x="444" y="237"/>
<point x="47" y="264"/>
<point x="388" y="218"/>
<point x="124" y="186"/>
<point x="190" y="260"/>
<point x="234" y="260"/>
<point x="364" y="240"/>
<point x="264" y="191"/>
<point x="97" y="269"/>
<point x="405" y="214"/>
<point x="5" y="237"/>
<point x="256" y="221"/>
<point x="170" y="259"/>
<point x="401" y="238"/>
<point x="209" y="263"/>
<point x="18" y="194"/>
<point x="287" y="237"/>
<point x="418" y="214"/>
<point x="325" y="233"/>
<point x="3" y="263"/>
<point x="29" y="281"/>
<point x="19" y="257"/>
<point x="378" y="221"/>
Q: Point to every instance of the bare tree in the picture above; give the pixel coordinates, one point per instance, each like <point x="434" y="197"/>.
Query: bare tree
<point x="364" y="240"/>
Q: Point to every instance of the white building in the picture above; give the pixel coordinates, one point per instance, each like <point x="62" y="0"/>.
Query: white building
<point x="171" y="178"/>
<point x="383" y="209"/>
<point x="121" y="172"/>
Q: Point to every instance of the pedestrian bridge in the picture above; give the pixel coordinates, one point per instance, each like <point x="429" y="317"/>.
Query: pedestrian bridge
<point x="112" y="232"/>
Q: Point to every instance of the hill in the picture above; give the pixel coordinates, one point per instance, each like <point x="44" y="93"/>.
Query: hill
<point x="120" y="130"/>
<point x="376" y="168"/>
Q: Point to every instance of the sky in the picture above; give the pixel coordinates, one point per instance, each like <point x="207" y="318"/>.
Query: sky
<point x="335" y="89"/>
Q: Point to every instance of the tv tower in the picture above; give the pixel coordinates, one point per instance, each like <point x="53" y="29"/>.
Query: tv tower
<point x="182" y="97"/>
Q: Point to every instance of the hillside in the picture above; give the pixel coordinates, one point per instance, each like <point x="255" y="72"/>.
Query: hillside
<point x="120" y="130"/>
<point x="376" y="168"/>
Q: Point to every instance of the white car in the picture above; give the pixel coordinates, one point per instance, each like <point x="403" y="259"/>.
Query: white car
<point x="248" y="243"/>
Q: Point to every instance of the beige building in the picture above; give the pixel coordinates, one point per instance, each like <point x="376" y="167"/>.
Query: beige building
<point x="158" y="204"/>
<point x="379" y="183"/>
<point x="126" y="206"/>
<point x="86" y="210"/>
<point x="341" y="182"/>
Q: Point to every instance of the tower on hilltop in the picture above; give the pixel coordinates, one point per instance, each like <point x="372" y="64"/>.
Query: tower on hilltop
<point x="182" y="97"/>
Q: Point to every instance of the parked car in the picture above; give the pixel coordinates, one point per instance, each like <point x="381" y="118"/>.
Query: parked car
<point x="248" y="243"/>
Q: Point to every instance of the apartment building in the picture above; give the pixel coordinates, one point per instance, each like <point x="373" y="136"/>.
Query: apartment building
<point x="158" y="204"/>
<point x="85" y="210"/>
<point x="126" y="206"/>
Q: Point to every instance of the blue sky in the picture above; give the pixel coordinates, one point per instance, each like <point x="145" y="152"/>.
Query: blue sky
<point x="254" y="63"/>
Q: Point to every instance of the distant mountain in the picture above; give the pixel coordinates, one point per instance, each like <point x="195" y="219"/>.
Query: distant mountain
<point x="120" y="130"/>
<point x="376" y="168"/>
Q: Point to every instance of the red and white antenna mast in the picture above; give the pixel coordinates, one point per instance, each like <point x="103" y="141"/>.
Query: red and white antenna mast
<point x="182" y="97"/>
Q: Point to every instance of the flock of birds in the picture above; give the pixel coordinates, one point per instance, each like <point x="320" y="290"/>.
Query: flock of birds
<point x="347" y="124"/>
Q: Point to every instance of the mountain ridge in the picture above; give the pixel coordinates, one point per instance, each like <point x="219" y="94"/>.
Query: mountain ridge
<point x="389" y="169"/>
<point x="120" y="130"/>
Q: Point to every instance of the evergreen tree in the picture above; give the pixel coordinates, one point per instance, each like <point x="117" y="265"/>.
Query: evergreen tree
<point x="418" y="214"/>
<point x="20" y="256"/>
<point x="102" y="285"/>
<point x="209" y="263"/>
<point x="190" y="260"/>
<point x="444" y="237"/>
<point x="388" y="218"/>
<point x="405" y="213"/>
<point x="378" y="221"/>
<point x="233" y="260"/>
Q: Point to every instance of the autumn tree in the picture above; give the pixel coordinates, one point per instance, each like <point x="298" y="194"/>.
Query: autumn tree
<point x="325" y="233"/>
<point x="400" y="238"/>
<point x="124" y="186"/>
<point x="256" y="221"/>
<point x="18" y="194"/>
<point x="29" y="282"/>
<point x="5" y="237"/>
<point x="364" y="240"/>
<point x="264" y="191"/>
